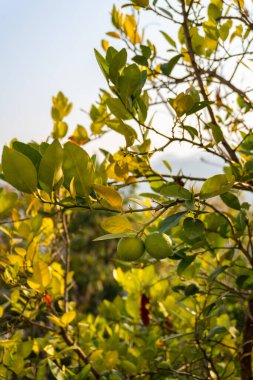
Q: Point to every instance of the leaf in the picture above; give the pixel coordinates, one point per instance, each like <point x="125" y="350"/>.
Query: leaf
<point x="231" y="200"/>
<point x="185" y="263"/>
<point x="129" y="81"/>
<point x="19" y="171"/>
<point x="167" y="68"/>
<point x="68" y="317"/>
<point x="84" y="373"/>
<point x="117" y="63"/>
<point x="7" y="203"/>
<point x="29" y="152"/>
<point x="110" y="237"/>
<point x="50" y="169"/>
<point x="217" y="330"/>
<point x="214" y="11"/>
<point x="117" y="224"/>
<point x="169" y="39"/>
<point x="41" y="275"/>
<point x="193" y="228"/>
<point x="118" y="109"/>
<point x="248" y="142"/>
<point x="56" y="371"/>
<point x="197" y="107"/>
<point x="173" y="190"/>
<point x="182" y="103"/>
<point x="191" y="130"/>
<point x="113" y="34"/>
<point x="124" y="129"/>
<point x="141" y="3"/>
<point x="191" y="289"/>
<point x="78" y="165"/>
<point x="217" y="133"/>
<point x="140" y="60"/>
<point x="102" y="64"/>
<point x="109" y="194"/>
<point x="171" y="221"/>
<point x="216" y="185"/>
<point x="218" y="271"/>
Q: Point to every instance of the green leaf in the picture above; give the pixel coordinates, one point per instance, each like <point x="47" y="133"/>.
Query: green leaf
<point x="117" y="63"/>
<point x="168" y="39"/>
<point x="56" y="371"/>
<point x="216" y="331"/>
<point x="197" y="107"/>
<point x="191" y="289"/>
<point x="173" y="190"/>
<point x="78" y="165"/>
<point x="216" y="185"/>
<point x="231" y="200"/>
<point x="129" y="81"/>
<point x="84" y="373"/>
<point x="141" y="3"/>
<point x="191" y="130"/>
<point x="217" y="133"/>
<point x="166" y="68"/>
<point x="171" y="221"/>
<point x="124" y="129"/>
<point x="140" y="60"/>
<point x="193" y="228"/>
<point x="248" y="142"/>
<point x="110" y="237"/>
<point x="102" y="64"/>
<point x="216" y="273"/>
<point x="50" y="169"/>
<point x="214" y="11"/>
<point x="19" y="171"/>
<point x="118" y="109"/>
<point x="185" y="263"/>
<point x="145" y="51"/>
<point x="29" y="152"/>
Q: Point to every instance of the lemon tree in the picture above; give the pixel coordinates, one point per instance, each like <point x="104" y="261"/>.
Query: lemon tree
<point x="91" y="285"/>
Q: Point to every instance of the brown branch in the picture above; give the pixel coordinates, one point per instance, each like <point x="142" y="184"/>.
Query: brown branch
<point x="78" y="351"/>
<point x="67" y="261"/>
<point x="246" y="358"/>
<point x="222" y="80"/>
<point x="197" y="71"/>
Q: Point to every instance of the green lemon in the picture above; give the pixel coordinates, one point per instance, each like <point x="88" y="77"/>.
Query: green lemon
<point x="158" y="245"/>
<point x="130" y="248"/>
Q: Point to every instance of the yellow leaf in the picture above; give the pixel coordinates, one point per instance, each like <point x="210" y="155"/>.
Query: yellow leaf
<point x="41" y="276"/>
<point x="113" y="34"/>
<point x="68" y="317"/>
<point x="57" y="321"/>
<point x="109" y="194"/>
<point x="130" y="28"/>
<point x="117" y="224"/>
<point x="105" y="44"/>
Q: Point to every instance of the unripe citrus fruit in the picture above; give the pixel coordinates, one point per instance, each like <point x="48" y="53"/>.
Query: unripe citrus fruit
<point x="130" y="248"/>
<point x="158" y="245"/>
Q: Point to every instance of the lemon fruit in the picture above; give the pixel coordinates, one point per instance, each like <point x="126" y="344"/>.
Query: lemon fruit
<point x="130" y="248"/>
<point x="158" y="245"/>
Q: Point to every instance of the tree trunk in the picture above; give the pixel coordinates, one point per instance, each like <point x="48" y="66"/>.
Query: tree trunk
<point x="246" y="358"/>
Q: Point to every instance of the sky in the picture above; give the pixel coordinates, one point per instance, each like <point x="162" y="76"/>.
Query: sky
<point x="47" y="46"/>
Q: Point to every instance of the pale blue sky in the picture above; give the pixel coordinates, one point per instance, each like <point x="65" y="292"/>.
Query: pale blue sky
<point x="47" y="46"/>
